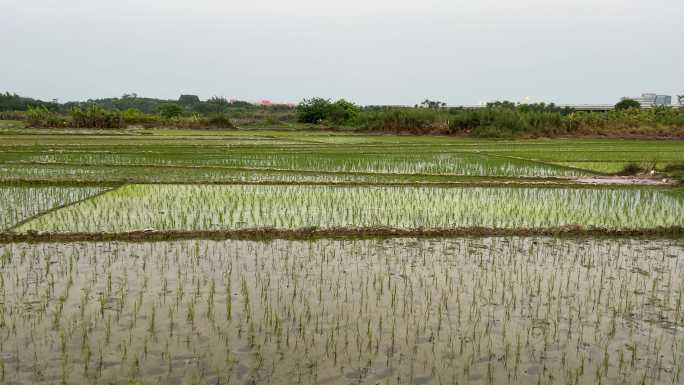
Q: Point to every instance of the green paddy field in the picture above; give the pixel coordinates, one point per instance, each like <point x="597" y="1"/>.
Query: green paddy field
<point x="309" y="257"/>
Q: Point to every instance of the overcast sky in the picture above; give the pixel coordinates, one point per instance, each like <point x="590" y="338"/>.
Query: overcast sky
<point x="366" y="51"/>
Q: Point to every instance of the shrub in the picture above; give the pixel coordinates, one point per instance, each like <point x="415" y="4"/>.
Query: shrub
<point x="272" y="120"/>
<point x="41" y="117"/>
<point x="504" y="118"/>
<point x="219" y="121"/>
<point x="313" y="110"/>
<point x="170" y="110"/>
<point x="199" y="122"/>
<point x="317" y="110"/>
<point x="399" y="120"/>
<point x="136" y="117"/>
<point x="96" y="117"/>
<point x="12" y="115"/>
<point x="509" y="120"/>
<point x="463" y="120"/>
<point x="492" y="132"/>
<point x="342" y="111"/>
<point x="631" y="169"/>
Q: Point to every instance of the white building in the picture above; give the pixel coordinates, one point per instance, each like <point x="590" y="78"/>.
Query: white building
<point x="650" y="100"/>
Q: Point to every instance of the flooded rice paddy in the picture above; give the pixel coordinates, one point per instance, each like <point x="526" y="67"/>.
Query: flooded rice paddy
<point x="396" y="311"/>
<point x="210" y="207"/>
<point x="310" y="158"/>
<point x="19" y="203"/>
<point x="341" y="310"/>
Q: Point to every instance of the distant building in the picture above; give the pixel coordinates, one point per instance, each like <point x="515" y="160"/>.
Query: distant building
<point x="680" y="100"/>
<point x="650" y="100"/>
<point x="663" y="100"/>
<point x="188" y="99"/>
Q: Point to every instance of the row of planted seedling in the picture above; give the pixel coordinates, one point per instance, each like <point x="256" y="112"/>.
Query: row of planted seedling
<point x="378" y="162"/>
<point x="202" y="207"/>
<point x="201" y="174"/>
<point x="402" y="311"/>
<point x="18" y="203"/>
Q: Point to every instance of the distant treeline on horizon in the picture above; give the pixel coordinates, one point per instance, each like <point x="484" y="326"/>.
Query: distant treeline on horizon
<point x="496" y="120"/>
<point x="190" y="103"/>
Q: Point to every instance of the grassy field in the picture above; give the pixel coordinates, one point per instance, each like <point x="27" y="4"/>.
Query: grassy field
<point x="337" y="258"/>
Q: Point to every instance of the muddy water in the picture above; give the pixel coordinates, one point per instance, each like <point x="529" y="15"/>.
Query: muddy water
<point x="399" y="311"/>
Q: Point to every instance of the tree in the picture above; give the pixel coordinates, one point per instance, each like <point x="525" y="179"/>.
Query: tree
<point x="218" y="104"/>
<point x="342" y="111"/>
<point x="627" y="104"/>
<point x="14" y="102"/>
<point x="313" y="110"/>
<point x="427" y="103"/>
<point x="170" y="110"/>
<point x="241" y="104"/>
<point x="502" y="104"/>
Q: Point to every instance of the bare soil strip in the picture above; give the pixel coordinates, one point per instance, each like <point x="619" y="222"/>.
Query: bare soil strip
<point x="268" y="233"/>
<point x="620" y="180"/>
<point x="61" y="182"/>
<point x="468" y="182"/>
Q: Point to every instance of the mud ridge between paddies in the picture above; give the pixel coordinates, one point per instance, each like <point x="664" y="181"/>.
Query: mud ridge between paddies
<point x="621" y="180"/>
<point x="267" y="233"/>
<point x="467" y="182"/>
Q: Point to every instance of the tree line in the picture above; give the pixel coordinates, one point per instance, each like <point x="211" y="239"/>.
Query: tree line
<point x="498" y="119"/>
<point x="185" y="104"/>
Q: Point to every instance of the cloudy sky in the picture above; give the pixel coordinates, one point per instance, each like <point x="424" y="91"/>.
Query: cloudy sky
<point x="367" y="51"/>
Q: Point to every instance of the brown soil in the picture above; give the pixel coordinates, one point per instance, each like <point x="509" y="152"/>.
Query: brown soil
<point x="340" y="232"/>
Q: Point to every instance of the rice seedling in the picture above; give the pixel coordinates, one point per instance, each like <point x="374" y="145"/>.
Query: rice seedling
<point x="371" y="161"/>
<point x="184" y="156"/>
<point x="189" y="207"/>
<point x="18" y="203"/>
<point x="514" y="310"/>
<point x="397" y="311"/>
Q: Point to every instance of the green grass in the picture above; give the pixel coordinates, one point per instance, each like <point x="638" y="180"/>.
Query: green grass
<point x="197" y="207"/>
